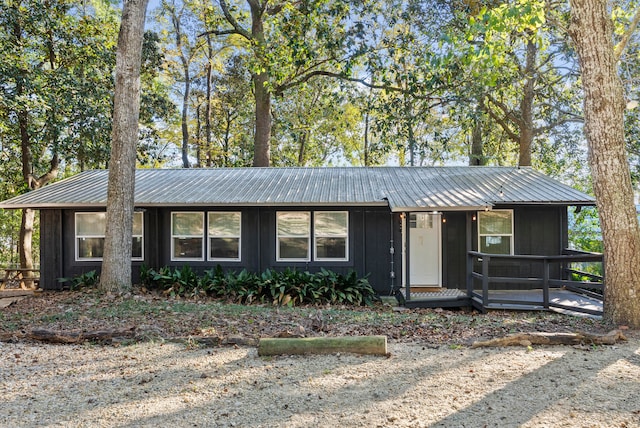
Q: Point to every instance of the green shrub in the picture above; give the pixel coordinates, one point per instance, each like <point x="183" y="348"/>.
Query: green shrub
<point x="176" y="282"/>
<point x="85" y="280"/>
<point x="280" y="288"/>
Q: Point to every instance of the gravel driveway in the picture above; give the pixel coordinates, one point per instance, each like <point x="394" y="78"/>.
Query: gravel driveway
<point x="166" y="384"/>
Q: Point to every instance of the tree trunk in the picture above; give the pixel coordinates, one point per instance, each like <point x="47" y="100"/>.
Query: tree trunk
<point x="526" y="105"/>
<point x="116" y="265"/>
<point x="207" y="116"/>
<point x="592" y="32"/>
<point x="477" y="147"/>
<point x="185" y="123"/>
<point x="26" y="238"/>
<point x="261" y="149"/>
<point x="175" y="19"/>
<point x="262" y="155"/>
<point x="366" y="139"/>
<point x="199" y="152"/>
<point x="302" y="147"/>
<point x="226" y="145"/>
<point x="25" y="249"/>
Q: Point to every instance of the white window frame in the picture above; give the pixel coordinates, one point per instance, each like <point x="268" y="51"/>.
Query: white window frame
<point x="202" y="236"/>
<point x="481" y="235"/>
<point x="210" y="235"/>
<point x="278" y="236"/>
<point x="76" y="236"/>
<point x="316" y="235"/>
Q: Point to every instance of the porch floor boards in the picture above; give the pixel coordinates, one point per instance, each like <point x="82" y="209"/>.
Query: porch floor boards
<point x="458" y="298"/>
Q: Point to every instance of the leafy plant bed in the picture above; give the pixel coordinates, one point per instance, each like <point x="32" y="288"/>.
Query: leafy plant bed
<point x="288" y="287"/>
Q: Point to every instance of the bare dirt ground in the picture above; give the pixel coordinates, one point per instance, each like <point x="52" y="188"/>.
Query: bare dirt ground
<point x="430" y="378"/>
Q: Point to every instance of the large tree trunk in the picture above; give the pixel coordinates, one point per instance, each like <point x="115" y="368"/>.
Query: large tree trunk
<point x="261" y="150"/>
<point x="526" y="105"/>
<point x="116" y="265"/>
<point x="592" y="33"/>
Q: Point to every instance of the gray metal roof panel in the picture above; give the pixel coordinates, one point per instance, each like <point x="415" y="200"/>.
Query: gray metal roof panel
<point x="403" y="189"/>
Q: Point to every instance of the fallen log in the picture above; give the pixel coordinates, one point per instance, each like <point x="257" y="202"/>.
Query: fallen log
<point x="70" y="337"/>
<point x="372" y="345"/>
<point x="528" y="339"/>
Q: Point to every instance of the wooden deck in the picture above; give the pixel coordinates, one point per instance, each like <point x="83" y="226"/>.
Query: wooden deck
<point x="560" y="300"/>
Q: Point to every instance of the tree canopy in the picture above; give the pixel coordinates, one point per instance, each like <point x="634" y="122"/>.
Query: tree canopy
<point x="314" y="82"/>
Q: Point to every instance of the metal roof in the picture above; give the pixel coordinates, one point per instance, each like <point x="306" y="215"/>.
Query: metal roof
<point x="400" y="188"/>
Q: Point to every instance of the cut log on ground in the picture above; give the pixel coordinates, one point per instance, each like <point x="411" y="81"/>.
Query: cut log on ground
<point x="52" y="336"/>
<point x="528" y="339"/>
<point x="372" y="345"/>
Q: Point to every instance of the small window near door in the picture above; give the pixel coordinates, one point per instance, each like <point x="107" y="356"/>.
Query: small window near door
<point x="224" y="236"/>
<point x="495" y="231"/>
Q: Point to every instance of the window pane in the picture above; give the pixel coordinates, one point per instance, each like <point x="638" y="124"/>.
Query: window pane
<point x="187" y="224"/>
<point x="90" y="248"/>
<point x="294" y="224"/>
<point x="294" y="248"/>
<point x="331" y="223"/>
<point x="137" y="224"/>
<point x="495" y="244"/>
<point x="224" y="248"/>
<point x="88" y="224"/>
<point x="495" y="222"/>
<point x="187" y="248"/>
<point x="331" y="248"/>
<point x="136" y="248"/>
<point x="224" y="224"/>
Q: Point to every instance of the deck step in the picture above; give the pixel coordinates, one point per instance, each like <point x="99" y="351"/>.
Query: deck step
<point x="426" y="289"/>
<point x="507" y="306"/>
<point x="458" y="302"/>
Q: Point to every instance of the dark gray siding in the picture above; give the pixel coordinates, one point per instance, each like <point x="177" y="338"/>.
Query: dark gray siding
<point x="369" y="244"/>
<point x="51" y="249"/>
<point x="454" y="250"/>
<point x="538" y="230"/>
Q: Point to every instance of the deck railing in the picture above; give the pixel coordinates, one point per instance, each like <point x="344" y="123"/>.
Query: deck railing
<point x="557" y="272"/>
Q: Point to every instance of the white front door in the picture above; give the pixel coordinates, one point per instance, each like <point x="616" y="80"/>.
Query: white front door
<point x="425" y="249"/>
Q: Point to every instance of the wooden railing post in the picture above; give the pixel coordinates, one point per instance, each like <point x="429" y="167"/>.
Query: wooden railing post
<point x="469" y="275"/>
<point x="545" y="284"/>
<point x="485" y="280"/>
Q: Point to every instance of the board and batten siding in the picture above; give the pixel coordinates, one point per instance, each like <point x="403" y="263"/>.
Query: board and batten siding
<point x="539" y="230"/>
<point x="369" y="243"/>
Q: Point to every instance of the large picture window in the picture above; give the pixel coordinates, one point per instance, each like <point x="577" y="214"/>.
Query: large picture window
<point x="187" y="236"/>
<point x="293" y="232"/>
<point x="224" y="236"/>
<point x="331" y="232"/>
<point x="495" y="232"/>
<point x="90" y="233"/>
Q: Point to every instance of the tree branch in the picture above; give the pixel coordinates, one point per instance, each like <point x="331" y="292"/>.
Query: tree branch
<point x="237" y="28"/>
<point x="627" y="36"/>
<point x="507" y="112"/>
<point x="543" y="129"/>
<point x="503" y="124"/>
<point x="323" y="73"/>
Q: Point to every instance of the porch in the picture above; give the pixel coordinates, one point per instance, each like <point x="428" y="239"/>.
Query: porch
<point x="564" y="283"/>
